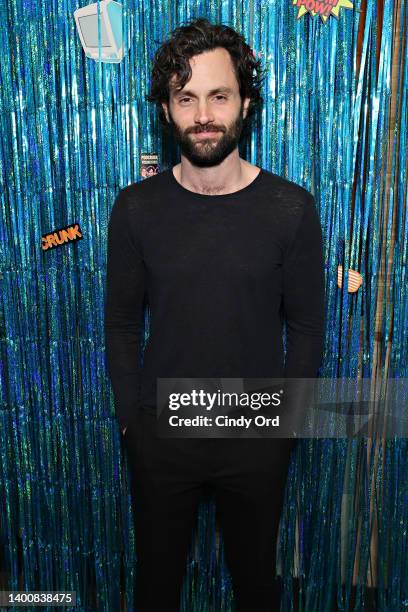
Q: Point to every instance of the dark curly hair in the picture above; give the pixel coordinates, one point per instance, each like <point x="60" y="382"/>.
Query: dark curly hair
<point x="194" y="38"/>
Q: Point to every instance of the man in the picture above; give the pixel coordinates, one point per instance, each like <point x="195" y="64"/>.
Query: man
<point x="221" y="251"/>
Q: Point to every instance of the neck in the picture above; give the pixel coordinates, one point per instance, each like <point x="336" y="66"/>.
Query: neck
<point x="228" y="176"/>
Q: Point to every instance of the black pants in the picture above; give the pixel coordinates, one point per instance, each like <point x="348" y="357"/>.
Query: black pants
<point x="248" y="477"/>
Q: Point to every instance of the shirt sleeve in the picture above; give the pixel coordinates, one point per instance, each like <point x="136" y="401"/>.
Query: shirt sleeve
<point x="304" y="296"/>
<point x="125" y="287"/>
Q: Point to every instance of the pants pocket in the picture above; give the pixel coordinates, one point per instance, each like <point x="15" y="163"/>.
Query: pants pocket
<point x="134" y="434"/>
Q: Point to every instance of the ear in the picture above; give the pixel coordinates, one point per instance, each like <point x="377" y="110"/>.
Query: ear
<point x="165" y="110"/>
<point x="245" y="107"/>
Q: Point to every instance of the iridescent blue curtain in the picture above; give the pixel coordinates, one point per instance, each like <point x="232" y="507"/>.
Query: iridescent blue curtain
<point x="72" y="133"/>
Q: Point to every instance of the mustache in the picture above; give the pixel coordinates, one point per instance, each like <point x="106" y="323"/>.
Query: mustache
<point x="210" y="128"/>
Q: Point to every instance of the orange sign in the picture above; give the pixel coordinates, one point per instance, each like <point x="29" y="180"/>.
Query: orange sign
<point x="59" y="237"/>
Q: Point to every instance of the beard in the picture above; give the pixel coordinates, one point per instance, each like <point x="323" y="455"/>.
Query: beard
<point x="211" y="151"/>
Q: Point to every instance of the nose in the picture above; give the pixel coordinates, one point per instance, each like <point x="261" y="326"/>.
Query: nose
<point x="203" y="114"/>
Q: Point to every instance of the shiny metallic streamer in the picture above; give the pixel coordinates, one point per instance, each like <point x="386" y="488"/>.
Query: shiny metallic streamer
<point x="72" y="134"/>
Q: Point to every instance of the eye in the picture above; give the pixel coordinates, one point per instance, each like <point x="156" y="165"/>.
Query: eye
<point x="184" y="99"/>
<point x="221" y="96"/>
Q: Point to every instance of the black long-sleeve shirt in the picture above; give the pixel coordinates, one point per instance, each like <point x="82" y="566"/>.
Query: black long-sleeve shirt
<point x="219" y="273"/>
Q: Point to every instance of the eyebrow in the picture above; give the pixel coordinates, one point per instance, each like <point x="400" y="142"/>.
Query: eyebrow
<point x="187" y="92"/>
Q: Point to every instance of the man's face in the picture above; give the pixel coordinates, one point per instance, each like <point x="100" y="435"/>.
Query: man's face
<point x="207" y="114"/>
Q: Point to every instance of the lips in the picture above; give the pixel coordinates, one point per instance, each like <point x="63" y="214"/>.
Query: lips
<point x="206" y="134"/>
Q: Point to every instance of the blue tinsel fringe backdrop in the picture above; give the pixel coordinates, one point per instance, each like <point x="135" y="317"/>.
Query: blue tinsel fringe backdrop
<point x="72" y="132"/>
